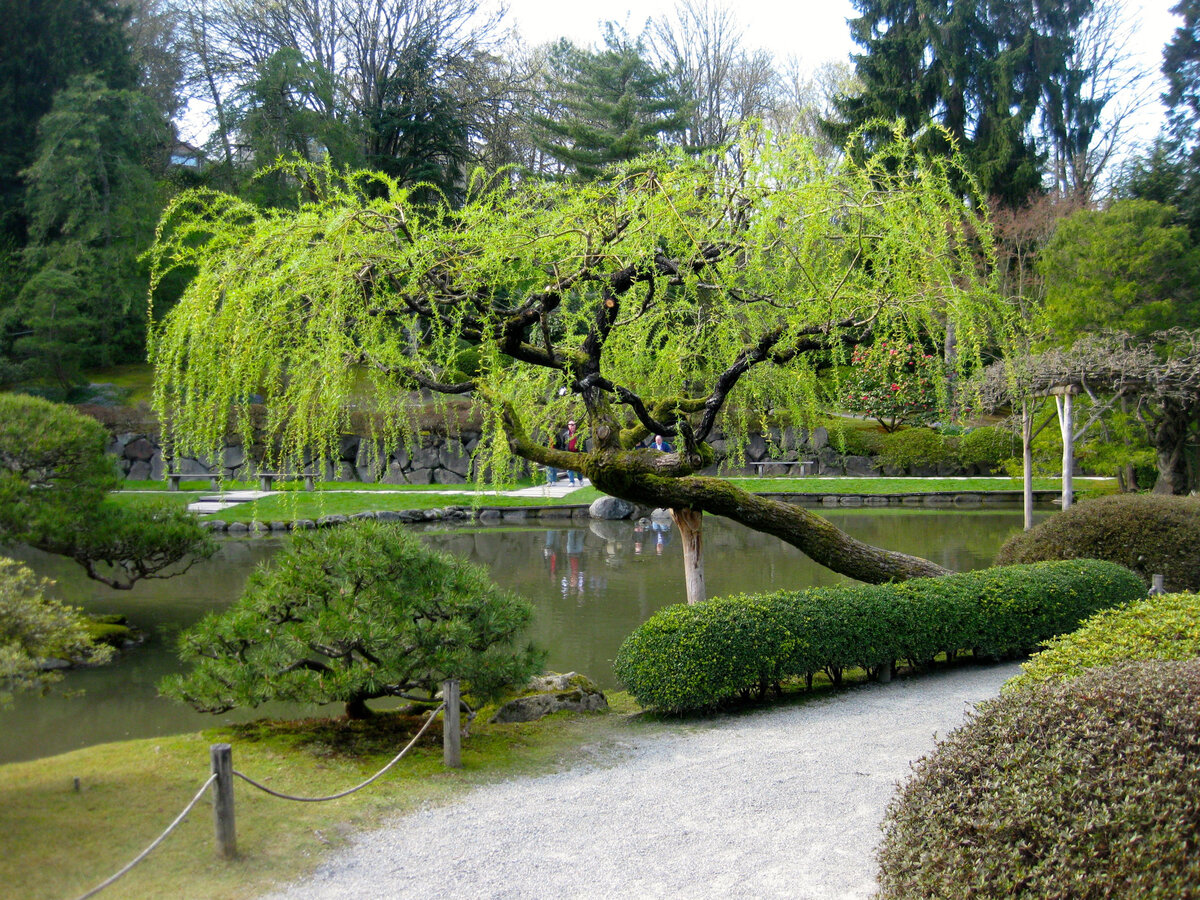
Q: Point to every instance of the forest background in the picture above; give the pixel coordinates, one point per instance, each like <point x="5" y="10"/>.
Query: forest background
<point x="1096" y="215"/>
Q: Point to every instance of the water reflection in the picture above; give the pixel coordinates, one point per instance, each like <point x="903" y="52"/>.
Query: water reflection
<point x="591" y="584"/>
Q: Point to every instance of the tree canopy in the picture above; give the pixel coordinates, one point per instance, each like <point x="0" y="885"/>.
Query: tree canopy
<point x="665" y="299"/>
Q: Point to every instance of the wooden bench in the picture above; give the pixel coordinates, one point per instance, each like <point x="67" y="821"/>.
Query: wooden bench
<point x="266" y="479"/>
<point x="173" y="481"/>
<point x="804" y="464"/>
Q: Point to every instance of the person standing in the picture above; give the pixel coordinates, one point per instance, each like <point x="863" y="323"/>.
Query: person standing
<point x="572" y="444"/>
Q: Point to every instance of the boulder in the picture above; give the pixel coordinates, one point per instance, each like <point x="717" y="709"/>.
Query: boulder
<point x="756" y="448"/>
<point x="550" y="694"/>
<point x="819" y="438"/>
<point x="140" y="449"/>
<point x="610" y="508"/>
<point x="860" y="466"/>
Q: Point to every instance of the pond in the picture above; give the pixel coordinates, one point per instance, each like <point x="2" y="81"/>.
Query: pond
<point x="591" y="583"/>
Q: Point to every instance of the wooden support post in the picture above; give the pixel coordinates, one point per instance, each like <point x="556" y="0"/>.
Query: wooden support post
<point x="451" y="726"/>
<point x="1027" y="462"/>
<point x="691" y="533"/>
<point x="1066" y="424"/>
<point x="222" y="793"/>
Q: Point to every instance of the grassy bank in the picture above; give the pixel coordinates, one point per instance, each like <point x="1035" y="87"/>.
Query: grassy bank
<point x="60" y="842"/>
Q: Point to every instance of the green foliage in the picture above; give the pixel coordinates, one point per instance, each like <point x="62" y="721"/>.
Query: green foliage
<point x="54" y="482"/>
<point x="616" y="104"/>
<point x="1165" y="626"/>
<point x="695" y="657"/>
<point x="42" y="46"/>
<point x="1129" y="268"/>
<point x="361" y="290"/>
<point x="1085" y="788"/>
<point x="34" y="627"/>
<point x="916" y="447"/>
<point x="1148" y="533"/>
<point x="894" y="383"/>
<point x="979" y="70"/>
<point x="91" y="204"/>
<point x="855" y="438"/>
<point x="987" y="446"/>
<point x="355" y="613"/>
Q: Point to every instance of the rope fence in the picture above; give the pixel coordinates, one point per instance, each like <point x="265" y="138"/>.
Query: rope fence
<point x="223" y="773"/>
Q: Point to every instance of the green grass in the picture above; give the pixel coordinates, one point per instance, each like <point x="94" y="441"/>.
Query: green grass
<point x="59" y="843"/>
<point x="136" y="378"/>
<point x="288" y="506"/>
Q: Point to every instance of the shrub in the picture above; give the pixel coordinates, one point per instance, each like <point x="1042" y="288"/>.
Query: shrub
<point x="894" y="383"/>
<point x="1166" y="626"/>
<point x="33" y="627"/>
<point x="355" y="613"/>
<point x="1148" y="533"/>
<point x="695" y="657"/>
<point x="987" y="446"/>
<point x="855" y="438"/>
<point x="1087" y="788"/>
<point x="915" y="447"/>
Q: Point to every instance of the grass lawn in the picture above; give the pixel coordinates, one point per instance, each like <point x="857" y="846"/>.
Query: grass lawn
<point x="59" y="843"/>
<point x="343" y="498"/>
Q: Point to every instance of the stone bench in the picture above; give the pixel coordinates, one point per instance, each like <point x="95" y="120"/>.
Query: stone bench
<point x="806" y="465"/>
<point x="173" y="481"/>
<point x="267" y="479"/>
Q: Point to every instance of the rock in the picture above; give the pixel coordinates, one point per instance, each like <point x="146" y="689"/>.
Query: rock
<point x="756" y="448"/>
<point x="446" y="476"/>
<point x="139" y="471"/>
<point x="610" y="508"/>
<point x="237" y="528"/>
<point x="233" y="457"/>
<point x="860" y="466"/>
<point x="327" y="521"/>
<point x="214" y="525"/>
<point x="550" y="694"/>
<point x="139" y="449"/>
<point x="303" y="525"/>
<point x="819" y="438"/>
<point x="453" y="458"/>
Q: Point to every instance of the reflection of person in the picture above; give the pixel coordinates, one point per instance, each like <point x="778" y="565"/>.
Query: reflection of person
<point x="660" y="444"/>
<point x="574" y="577"/>
<point x="572" y="444"/>
<point x="550" y="551"/>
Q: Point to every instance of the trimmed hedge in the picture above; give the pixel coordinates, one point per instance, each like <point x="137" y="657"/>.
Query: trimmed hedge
<point x="1085" y="788"/>
<point x="1162" y="627"/>
<point x="695" y="657"/>
<point x="1148" y="533"/>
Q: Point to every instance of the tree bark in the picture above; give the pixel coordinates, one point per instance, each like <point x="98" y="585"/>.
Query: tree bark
<point x="817" y="538"/>
<point x="1170" y="439"/>
<point x="356" y="708"/>
<point x="691" y="533"/>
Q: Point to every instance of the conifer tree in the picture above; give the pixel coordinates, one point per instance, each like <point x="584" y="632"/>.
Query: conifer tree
<point x="617" y="105"/>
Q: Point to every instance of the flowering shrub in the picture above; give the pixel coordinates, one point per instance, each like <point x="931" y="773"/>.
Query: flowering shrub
<point x="893" y="383"/>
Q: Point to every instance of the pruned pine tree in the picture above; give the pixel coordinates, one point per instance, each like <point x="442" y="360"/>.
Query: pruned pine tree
<point x="666" y="298"/>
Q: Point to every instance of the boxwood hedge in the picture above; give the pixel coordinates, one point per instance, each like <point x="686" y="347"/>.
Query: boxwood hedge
<point x="1162" y="627"/>
<point x="695" y="657"/>
<point x="1083" y="788"/>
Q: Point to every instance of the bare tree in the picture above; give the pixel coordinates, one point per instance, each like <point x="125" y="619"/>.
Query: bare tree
<point x="1087" y="115"/>
<point x="805" y="99"/>
<point x="726" y="82"/>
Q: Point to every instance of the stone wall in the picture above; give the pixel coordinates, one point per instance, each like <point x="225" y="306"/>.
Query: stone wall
<point x="447" y="460"/>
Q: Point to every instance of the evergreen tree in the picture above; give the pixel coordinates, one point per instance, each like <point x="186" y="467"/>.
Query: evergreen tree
<point x="616" y="105"/>
<point x="43" y="44"/>
<point x="91" y="206"/>
<point x="978" y="68"/>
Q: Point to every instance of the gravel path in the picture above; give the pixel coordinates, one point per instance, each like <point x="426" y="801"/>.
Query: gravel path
<point x="776" y="803"/>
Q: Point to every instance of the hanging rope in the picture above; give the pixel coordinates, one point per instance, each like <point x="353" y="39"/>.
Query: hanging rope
<point x="357" y="787"/>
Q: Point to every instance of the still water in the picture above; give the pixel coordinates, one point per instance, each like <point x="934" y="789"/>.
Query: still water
<point x="591" y="583"/>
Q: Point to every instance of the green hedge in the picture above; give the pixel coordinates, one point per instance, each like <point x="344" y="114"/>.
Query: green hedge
<point x="695" y="657"/>
<point x="1148" y="533"/>
<point x="1084" y="788"/>
<point x="1162" y="627"/>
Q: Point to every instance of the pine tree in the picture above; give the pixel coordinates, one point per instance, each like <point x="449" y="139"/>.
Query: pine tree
<point x="616" y="105"/>
<point x="980" y="69"/>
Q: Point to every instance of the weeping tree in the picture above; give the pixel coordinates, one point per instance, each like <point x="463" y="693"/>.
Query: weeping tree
<point x="670" y="297"/>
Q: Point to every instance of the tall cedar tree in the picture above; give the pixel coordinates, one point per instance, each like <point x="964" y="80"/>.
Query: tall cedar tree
<point x="617" y="105"/>
<point x="978" y="68"/>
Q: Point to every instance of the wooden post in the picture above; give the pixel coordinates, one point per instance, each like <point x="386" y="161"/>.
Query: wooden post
<point x="451" y="726"/>
<point x="1027" y="462"/>
<point x="691" y="524"/>
<point x="1066" y="424"/>
<point x="222" y="792"/>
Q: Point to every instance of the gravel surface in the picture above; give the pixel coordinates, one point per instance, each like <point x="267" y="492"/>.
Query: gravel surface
<point x="780" y="802"/>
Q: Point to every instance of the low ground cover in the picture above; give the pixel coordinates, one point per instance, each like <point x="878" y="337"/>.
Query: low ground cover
<point x="129" y="792"/>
